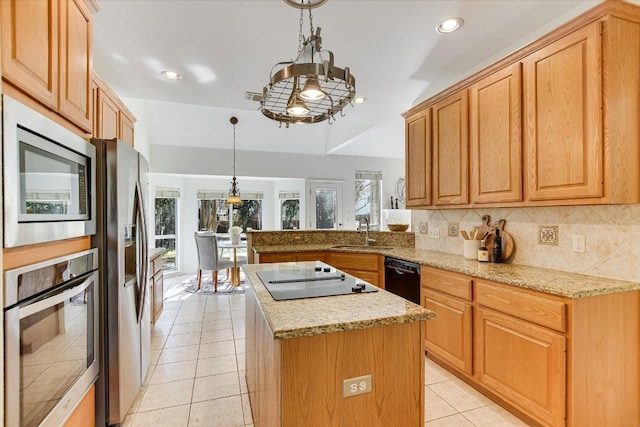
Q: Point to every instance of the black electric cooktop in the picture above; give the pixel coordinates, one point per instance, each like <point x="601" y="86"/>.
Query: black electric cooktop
<point x="312" y="282"/>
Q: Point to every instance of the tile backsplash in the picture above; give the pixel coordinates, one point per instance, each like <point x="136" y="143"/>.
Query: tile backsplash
<point x="612" y="236"/>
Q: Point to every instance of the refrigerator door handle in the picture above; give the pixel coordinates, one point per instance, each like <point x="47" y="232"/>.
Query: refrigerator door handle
<point x="143" y="270"/>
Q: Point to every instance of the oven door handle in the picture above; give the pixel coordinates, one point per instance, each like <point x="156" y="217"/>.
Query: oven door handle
<point x="59" y="296"/>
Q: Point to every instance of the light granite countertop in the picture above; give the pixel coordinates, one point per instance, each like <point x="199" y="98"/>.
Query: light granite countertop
<point x="555" y="282"/>
<point x="324" y="315"/>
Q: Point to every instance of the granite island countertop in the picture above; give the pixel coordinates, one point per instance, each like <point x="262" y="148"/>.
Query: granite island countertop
<point x="324" y="315"/>
<point x="555" y="282"/>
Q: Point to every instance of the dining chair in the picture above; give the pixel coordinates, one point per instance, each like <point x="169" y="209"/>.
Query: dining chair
<point x="209" y="258"/>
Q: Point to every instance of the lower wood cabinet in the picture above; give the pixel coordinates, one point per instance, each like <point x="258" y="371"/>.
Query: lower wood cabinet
<point x="523" y="363"/>
<point x="157" y="291"/>
<point x="560" y="361"/>
<point x="449" y="335"/>
<point x="368" y="267"/>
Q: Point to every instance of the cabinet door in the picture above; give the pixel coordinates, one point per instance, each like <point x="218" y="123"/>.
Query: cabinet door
<point x="30" y="47"/>
<point x="563" y="118"/>
<point x="523" y="363"/>
<point x="418" y="159"/>
<point x="158" y="296"/>
<point x="451" y="150"/>
<point x="495" y="105"/>
<point x="107" y="117"/>
<point x="355" y="261"/>
<point x="126" y="129"/>
<point x="75" y="63"/>
<point x="448" y="335"/>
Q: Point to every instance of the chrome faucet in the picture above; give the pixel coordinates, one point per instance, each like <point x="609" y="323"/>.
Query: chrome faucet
<point x="367" y="240"/>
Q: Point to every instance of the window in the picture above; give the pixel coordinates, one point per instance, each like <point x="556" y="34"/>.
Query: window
<point x="213" y="213"/>
<point x="289" y="210"/>
<point x="248" y="215"/>
<point x="166" y="204"/>
<point x="369" y="197"/>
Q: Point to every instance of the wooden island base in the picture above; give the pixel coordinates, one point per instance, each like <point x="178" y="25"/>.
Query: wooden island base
<point x="298" y="381"/>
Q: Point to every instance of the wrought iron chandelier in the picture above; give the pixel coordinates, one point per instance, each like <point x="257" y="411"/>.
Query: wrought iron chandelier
<point x="234" y="192"/>
<point x="309" y="89"/>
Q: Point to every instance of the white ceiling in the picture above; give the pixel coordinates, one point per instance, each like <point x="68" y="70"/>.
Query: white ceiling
<point x="225" y="48"/>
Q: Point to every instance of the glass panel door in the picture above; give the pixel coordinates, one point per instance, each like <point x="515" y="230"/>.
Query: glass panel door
<point x="325" y="205"/>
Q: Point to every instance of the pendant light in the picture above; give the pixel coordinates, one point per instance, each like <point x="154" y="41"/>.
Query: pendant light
<point x="309" y="89"/>
<point x="234" y="192"/>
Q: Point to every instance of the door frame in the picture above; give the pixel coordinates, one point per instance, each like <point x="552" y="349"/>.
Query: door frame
<point x="318" y="184"/>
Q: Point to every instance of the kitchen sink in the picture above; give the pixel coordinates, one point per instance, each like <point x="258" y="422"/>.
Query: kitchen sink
<point x="360" y="247"/>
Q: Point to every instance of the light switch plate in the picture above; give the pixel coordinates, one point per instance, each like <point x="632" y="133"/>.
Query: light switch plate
<point x="434" y="233"/>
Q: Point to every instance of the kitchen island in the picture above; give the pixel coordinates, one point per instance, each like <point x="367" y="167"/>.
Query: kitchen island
<point x="299" y="352"/>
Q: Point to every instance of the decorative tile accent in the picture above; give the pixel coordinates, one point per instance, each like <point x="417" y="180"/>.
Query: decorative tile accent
<point x="548" y="235"/>
<point x="452" y="229"/>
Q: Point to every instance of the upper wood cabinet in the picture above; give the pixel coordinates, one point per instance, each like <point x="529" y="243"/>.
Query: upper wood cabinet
<point x="75" y="62"/>
<point x="554" y="123"/>
<point x="495" y="122"/>
<point x="30" y="48"/>
<point x="46" y="53"/>
<point x="112" y="119"/>
<point x="418" y="159"/>
<point x="563" y="117"/>
<point x="451" y="150"/>
<point x="106" y="123"/>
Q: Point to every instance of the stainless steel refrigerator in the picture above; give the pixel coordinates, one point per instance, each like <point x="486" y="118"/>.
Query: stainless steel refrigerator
<point x="122" y="182"/>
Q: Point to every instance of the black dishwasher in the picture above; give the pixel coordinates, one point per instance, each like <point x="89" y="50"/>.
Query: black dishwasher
<point x="402" y="278"/>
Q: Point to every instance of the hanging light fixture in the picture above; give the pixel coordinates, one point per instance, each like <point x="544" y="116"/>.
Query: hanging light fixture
<point x="234" y="192"/>
<point x="309" y="89"/>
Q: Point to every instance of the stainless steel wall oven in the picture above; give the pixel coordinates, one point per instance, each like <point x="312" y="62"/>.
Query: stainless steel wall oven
<point x="51" y="338"/>
<point x="49" y="179"/>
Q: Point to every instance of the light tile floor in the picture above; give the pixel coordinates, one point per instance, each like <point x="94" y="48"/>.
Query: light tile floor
<point x="196" y="374"/>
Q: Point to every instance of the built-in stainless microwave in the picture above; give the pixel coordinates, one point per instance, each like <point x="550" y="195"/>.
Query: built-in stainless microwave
<point x="49" y="179"/>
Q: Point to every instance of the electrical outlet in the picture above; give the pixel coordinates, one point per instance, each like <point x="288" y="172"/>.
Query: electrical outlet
<point x="434" y="233"/>
<point x="578" y="243"/>
<point x="356" y="386"/>
<point x="424" y="227"/>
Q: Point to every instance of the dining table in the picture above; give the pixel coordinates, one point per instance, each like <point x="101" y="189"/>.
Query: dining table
<point x="235" y="270"/>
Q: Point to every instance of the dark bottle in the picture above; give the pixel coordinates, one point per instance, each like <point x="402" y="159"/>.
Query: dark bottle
<point x="496" y="249"/>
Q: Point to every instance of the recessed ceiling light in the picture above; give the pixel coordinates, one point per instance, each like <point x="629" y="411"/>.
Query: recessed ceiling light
<point x="171" y="75"/>
<point x="449" y="25"/>
<point x="359" y="100"/>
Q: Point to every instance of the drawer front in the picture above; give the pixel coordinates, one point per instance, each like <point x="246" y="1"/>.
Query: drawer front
<point x="539" y="310"/>
<point x="282" y="257"/>
<point x="310" y="256"/>
<point x="453" y="284"/>
<point x="367" y="262"/>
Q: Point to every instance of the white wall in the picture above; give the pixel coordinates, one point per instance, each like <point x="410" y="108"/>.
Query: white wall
<point x="202" y="161"/>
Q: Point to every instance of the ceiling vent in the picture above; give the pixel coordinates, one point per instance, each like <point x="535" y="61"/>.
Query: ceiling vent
<point x="253" y="96"/>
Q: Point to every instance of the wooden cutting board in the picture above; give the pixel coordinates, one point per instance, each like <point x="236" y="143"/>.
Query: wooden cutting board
<point x="508" y="245"/>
